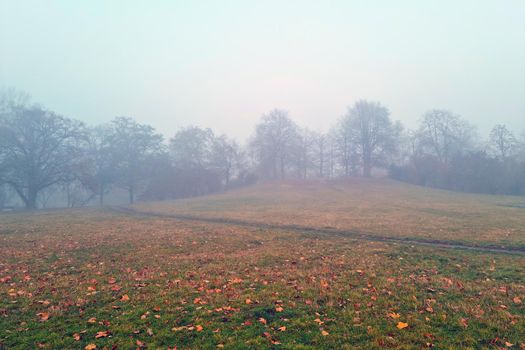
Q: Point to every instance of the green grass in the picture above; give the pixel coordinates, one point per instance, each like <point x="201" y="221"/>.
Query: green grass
<point x="380" y="207"/>
<point x="242" y="285"/>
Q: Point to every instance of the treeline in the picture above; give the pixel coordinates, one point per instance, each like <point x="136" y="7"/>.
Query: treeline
<point x="43" y="153"/>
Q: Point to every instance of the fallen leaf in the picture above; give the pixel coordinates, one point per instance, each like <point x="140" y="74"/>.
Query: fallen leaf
<point x="90" y="347"/>
<point x="125" y="297"/>
<point x="324" y="333"/>
<point x="44" y="316"/>
<point x="402" y="325"/>
<point x="198" y="328"/>
<point x="102" y="334"/>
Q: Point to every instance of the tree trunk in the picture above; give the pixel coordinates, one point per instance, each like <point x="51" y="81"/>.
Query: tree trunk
<point x="131" y="195"/>
<point x="101" y="195"/>
<point x="31" y="199"/>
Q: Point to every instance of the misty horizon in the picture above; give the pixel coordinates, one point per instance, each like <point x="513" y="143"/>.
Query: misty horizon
<point x="249" y="59"/>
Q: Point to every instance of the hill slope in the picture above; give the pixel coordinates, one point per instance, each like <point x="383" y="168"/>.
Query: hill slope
<point x="381" y="207"/>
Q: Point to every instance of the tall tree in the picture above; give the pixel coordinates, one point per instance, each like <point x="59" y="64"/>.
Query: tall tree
<point x="372" y="133"/>
<point x="503" y="141"/>
<point x="276" y="138"/>
<point x="444" y="134"/>
<point x="191" y="147"/>
<point x="37" y="150"/>
<point x="134" y="145"/>
<point x="226" y="158"/>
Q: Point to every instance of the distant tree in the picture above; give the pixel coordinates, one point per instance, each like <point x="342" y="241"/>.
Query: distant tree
<point x="191" y="148"/>
<point x="372" y="133"/>
<point x="133" y="146"/>
<point x="226" y="158"/>
<point x="305" y="153"/>
<point x="444" y="134"/>
<point x="343" y="146"/>
<point x="502" y="141"/>
<point x="100" y="165"/>
<point x="37" y="150"/>
<point x="320" y="153"/>
<point x="275" y="142"/>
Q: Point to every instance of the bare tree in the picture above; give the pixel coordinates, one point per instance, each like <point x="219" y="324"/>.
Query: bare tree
<point x="372" y="134"/>
<point x="226" y="157"/>
<point x="444" y="134"/>
<point x="37" y="150"/>
<point x="98" y="170"/>
<point x="276" y="138"/>
<point x="134" y="145"/>
<point x="191" y="147"/>
<point x="343" y="146"/>
<point x="503" y="141"/>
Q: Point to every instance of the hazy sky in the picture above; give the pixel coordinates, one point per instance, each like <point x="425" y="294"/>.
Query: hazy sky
<point x="224" y="63"/>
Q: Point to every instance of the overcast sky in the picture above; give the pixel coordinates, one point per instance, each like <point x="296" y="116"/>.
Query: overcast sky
<point x="222" y="64"/>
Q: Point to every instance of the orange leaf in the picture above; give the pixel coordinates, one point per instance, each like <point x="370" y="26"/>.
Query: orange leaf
<point x="90" y="347"/>
<point x="324" y="333"/>
<point x="198" y="328"/>
<point x="402" y="325"/>
<point x="101" y="334"/>
<point x="279" y="309"/>
<point x="44" y="316"/>
<point x="125" y="297"/>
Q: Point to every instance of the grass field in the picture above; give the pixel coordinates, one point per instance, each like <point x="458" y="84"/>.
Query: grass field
<point x="380" y="207"/>
<point x="87" y="278"/>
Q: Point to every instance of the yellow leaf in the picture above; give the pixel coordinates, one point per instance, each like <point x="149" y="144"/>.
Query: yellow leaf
<point x="401" y="325"/>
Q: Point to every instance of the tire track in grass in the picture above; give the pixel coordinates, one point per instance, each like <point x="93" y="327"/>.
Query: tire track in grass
<point x="328" y="231"/>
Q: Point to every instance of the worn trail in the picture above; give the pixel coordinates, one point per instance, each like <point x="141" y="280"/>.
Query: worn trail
<point x="328" y="231"/>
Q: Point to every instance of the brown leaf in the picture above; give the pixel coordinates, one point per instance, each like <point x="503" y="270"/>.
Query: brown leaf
<point x="44" y="316"/>
<point x="102" y="334"/>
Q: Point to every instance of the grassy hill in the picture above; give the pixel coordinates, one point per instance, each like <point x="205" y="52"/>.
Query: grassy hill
<point x="381" y="207"/>
<point x="106" y="279"/>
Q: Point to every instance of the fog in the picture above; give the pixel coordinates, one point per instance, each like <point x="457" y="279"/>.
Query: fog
<point x="222" y="64"/>
<point x="113" y="102"/>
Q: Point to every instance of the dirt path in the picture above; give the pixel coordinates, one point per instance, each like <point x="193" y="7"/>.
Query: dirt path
<point x="346" y="233"/>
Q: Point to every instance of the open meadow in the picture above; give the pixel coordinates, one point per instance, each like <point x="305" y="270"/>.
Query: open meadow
<point x="112" y="278"/>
